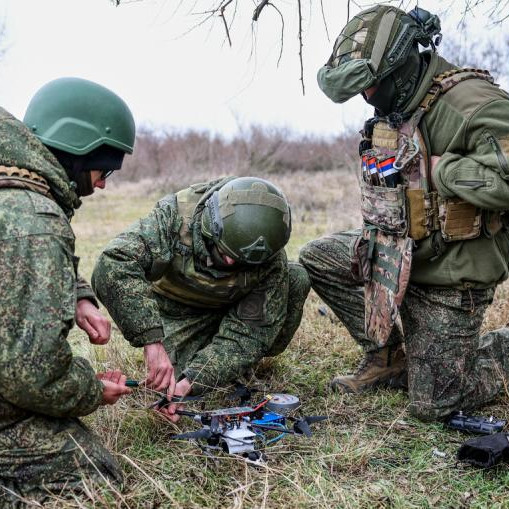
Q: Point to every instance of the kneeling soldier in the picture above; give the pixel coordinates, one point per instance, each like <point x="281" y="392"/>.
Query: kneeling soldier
<point x="434" y="198"/>
<point x="204" y="285"/>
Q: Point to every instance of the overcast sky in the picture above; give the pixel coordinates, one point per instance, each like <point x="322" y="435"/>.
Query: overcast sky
<point x="176" y="79"/>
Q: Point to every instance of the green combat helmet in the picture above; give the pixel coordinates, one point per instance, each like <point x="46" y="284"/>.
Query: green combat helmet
<point x="374" y="45"/>
<point x="77" y="116"/>
<point x="248" y="219"/>
<point x="85" y="125"/>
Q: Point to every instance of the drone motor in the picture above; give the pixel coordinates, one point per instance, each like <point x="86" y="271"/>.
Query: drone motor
<point x="283" y="403"/>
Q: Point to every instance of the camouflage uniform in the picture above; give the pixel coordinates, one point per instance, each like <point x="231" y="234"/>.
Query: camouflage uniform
<point x="43" y="387"/>
<point x="221" y="322"/>
<point x="451" y="282"/>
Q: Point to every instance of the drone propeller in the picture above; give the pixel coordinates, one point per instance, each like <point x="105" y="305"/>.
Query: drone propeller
<point x="301" y="425"/>
<point x="205" y="433"/>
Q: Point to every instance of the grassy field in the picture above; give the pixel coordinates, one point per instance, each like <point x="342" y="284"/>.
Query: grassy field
<point x="370" y="453"/>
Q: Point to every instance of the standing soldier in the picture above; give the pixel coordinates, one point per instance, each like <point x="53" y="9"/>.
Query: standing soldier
<point x="434" y="198"/>
<point x="203" y="283"/>
<point x="75" y="134"/>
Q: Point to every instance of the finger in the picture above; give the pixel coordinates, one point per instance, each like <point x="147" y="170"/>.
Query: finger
<point x="167" y="380"/>
<point x="102" y="327"/>
<point x="163" y="411"/>
<point x="106" y="376"/>
<point x="151" y="375"/>
<point x="159" y="384"/>
<point x="171" y="387"/>
<point x="125" y="390"/>
<point x="89" y="329"/>
<point x="172" y="408"/>
<point x="116" y="376"/>
<point x="174" y="418"/>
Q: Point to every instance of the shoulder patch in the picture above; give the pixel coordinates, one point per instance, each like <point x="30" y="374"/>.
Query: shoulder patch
<point x="253" y="308"/>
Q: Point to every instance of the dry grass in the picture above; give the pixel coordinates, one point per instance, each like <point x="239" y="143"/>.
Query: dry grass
<point x="370" y="453"/>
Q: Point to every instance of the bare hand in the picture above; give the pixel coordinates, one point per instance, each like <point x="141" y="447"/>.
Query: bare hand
<point x="160" y="369"/>
<point x="93" y="322"/>
<point x="434" y="161"/>
<point x="114" y="386"/>
<point x="183" y="388"/>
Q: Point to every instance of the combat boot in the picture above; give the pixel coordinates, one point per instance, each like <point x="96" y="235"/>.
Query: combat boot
<point x="386" y="367"/>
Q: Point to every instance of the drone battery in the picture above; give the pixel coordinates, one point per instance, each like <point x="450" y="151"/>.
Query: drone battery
<point x="282" y="403"/>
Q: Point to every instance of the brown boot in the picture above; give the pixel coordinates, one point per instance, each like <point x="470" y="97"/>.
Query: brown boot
<point x="385" y="367"/>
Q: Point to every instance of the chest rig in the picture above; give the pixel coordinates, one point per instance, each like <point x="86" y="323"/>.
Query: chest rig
<point x="183" y="282"/>
<point x="399" y="206"/>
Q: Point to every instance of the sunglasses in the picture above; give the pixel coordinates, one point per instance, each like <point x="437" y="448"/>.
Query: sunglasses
<point x="106" y="173"/>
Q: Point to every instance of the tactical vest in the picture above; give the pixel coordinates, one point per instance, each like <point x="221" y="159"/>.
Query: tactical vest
<point x="183" y="283"/>
<point x="399" y="206"/>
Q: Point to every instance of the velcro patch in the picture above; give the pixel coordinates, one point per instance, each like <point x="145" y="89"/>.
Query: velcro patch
<point x="252" y="308"/>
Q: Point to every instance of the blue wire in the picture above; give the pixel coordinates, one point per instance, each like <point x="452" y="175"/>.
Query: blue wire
<point x="275" y="439"/>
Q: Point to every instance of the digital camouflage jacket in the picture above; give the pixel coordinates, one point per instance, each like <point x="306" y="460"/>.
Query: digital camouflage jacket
<point x="247" y="327"/>
<point x="468" y="127"/>
<point x="38" y="289"/>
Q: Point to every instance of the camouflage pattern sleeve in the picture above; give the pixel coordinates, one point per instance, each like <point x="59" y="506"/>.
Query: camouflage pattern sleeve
<point x="479" y="174"/>
<point x="38" y="298"/>
<point x="122" y="274"/>
<point x="84" y="291"/>
<point x="246" y="333"/>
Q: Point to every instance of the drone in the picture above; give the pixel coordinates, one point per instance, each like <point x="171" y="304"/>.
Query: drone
<point x="245" y="430"/>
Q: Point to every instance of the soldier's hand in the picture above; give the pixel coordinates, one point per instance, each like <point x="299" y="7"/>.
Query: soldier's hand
<point x="434" y="161"/>
<point x="93" y="322"/>
<point x="114" y="386"/>
<point x="183" y="388"/>
<point x="160" y="375"/>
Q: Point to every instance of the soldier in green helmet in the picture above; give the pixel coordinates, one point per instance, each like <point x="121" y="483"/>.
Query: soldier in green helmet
<point x="434" y="178"/>
<point x="203" y="283"/>
<point x="75" y="133"/>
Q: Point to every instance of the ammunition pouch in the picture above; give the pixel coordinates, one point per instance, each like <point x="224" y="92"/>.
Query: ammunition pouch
<point x="385" y="208"/>
<point x="459" y="220"/>
<point x="455" y="218"/>
<point x="12" y="176"/>
<point x="422" y="213"/>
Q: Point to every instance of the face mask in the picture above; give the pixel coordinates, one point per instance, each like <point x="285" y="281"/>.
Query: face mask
<point x="396" y="90"/>
<point x="347" y="80"/>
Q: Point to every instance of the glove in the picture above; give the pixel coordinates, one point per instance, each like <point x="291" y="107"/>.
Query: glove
<point x="485" y="451"/>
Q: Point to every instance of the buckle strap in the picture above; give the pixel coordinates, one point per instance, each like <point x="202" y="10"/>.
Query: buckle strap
<point x="448" y="79"/>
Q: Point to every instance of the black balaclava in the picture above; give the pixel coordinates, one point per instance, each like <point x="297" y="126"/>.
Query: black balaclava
<point x="78" y="168"/>
<point x="395" y="91"/>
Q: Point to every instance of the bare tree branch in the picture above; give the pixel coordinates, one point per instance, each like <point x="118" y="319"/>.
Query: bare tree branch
<point x="497" y="10"/>
<point x="259" y="8"/>
<point x="221" y="15"/>
<point x="282" y="32"/>
<point x="299" y="3"/>
<point x="325" y="20"/>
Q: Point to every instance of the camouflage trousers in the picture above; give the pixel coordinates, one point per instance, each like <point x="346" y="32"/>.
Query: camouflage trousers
<point x="43" y="456"/>
<point x="191" y="329"/>
<point x="450" y="367"/>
